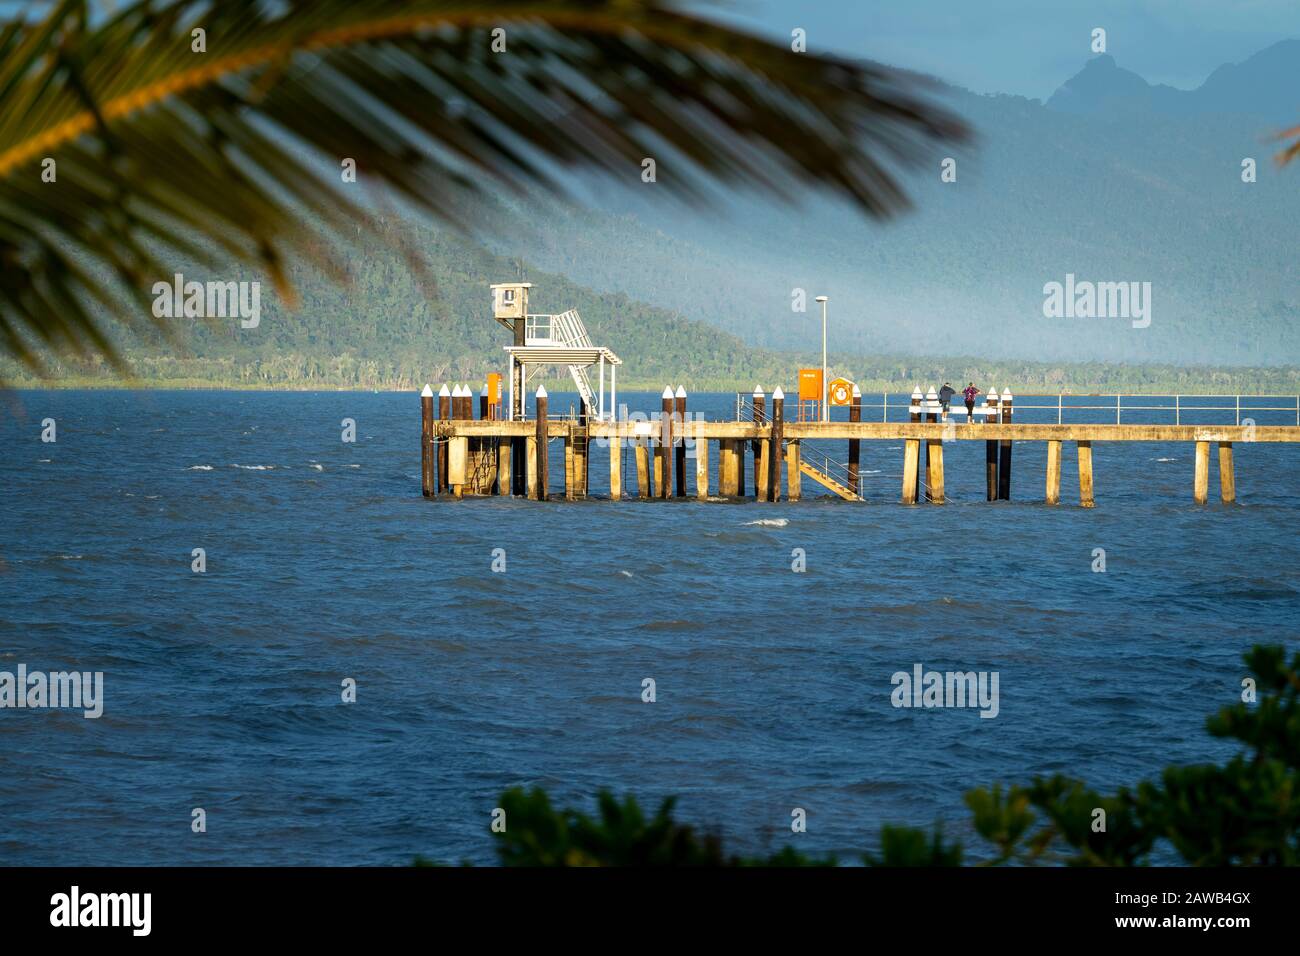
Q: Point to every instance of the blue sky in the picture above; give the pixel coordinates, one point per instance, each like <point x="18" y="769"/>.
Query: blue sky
<point x="1029" y="47"/>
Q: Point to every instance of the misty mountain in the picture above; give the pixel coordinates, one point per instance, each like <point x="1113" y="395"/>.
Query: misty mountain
<point x="1266" y="85"/>
<point x="1150" y="192"/>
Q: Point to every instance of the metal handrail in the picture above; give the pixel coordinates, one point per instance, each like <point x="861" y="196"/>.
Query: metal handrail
<point x="745" y="407"/>
<point x="831" y="467"/>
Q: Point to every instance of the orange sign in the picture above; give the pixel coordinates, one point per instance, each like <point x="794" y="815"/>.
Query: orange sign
<point x="810" y="385"/>
<point x="494" y="388"/>
<point x="841" y="391"/>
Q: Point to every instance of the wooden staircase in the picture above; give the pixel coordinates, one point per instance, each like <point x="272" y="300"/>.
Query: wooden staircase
<point x="826" y="481"/>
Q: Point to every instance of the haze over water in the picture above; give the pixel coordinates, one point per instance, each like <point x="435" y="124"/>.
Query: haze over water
<point x="222" y="690"/>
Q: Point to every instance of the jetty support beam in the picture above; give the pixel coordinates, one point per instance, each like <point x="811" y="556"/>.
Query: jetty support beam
<point x="1053" y="495"/>
<point x="1085" y="474"/>
<point x="1201" y="480"/>
<point x="1227" y="474"/>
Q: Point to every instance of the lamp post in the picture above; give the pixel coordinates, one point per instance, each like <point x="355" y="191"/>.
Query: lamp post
<point x="826" y="416"/>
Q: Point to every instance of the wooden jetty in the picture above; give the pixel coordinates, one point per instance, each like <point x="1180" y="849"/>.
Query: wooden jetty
<point x="476" y="451"/>
<point x="501" y="452"/>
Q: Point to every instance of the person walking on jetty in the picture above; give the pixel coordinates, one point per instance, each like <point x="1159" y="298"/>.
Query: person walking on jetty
<point x="945" y="398"/>
<point x="969" y="394"/>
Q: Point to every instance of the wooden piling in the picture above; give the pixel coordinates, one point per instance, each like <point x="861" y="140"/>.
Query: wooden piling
<point x="911" y="454"/>
<point x="991" y="449"/>
<point x="776" y="448"/>
<point x="760" y="418"/>
<point x="665" y="457"/>
<point x="444" y="413"/>
<point x="702" y="469"/>
<point x="1004" y="465"/>
<point x="793" y="476"/>
<point x="540" y="466"/>
<point x="739" y="448"/>
<point x="530" y="466"/>
<point x="426" y="442"/>
<point x="488" y="447"/>
<point x="1227" y="475"/>
<point x="570" y="466"/>
<point x="934" y="470"/>
<point x="505" y="448"/>
<point x="615" y="469"/>
<point x="457" y="464"/>
<point x="581" y="454"/>
<point x="914" y="415"/>
<point x="1201" y="481"/>
<point x="1053" y="495"/>
<point x="679" y="440"/>
<point x="1085" y="474"/>
<point x="643" y="490"/>
<point x="855" y="451"/>
<point x="728" y="467"/>
<point x="930" y="417"/>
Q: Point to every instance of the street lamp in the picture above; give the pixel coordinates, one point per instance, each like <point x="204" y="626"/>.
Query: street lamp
<point x="826" y="412"/>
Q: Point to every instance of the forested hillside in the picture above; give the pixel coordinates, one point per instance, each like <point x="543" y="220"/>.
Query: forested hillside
<point x="393" y="328"/>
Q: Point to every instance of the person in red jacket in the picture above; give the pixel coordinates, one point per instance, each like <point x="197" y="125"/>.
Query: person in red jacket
<point x="969" y="393"/>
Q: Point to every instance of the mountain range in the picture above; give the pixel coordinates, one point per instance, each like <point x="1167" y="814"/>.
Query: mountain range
<point x="1111" y="180"/>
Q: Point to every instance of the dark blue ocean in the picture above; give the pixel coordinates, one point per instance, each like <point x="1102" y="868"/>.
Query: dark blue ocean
<point x="222" y="690"/>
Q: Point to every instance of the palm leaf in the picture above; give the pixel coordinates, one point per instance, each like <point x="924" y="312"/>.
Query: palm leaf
<point x="164" y="152"/>
<point x="1291" y="151"/>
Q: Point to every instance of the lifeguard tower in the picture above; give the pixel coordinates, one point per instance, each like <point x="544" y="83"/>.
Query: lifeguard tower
<point x="552" y="340"/>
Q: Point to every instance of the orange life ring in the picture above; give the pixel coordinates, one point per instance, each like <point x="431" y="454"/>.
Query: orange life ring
<point x="841" y="391"/>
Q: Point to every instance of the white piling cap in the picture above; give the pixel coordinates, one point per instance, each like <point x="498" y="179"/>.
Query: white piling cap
<point x="541" y="391"/>
<point x="1006" y="395"/>
<point x="916" y="393"/>
<point x="930" y="395"/>
<point x="681" y="392"/>
<point x="483" y="391"/>
<point x="444" y="392"/>
<point x="758" y="390"/>
<point x="992" y="396"/>
<point x="455" y="391"/>
<point x="778" y="394"/>
<point x="668" y="391"/>
<point x="857" y="392"/>
<point x="427" y="393"/>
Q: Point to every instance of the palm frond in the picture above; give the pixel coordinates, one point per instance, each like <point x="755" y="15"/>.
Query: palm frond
<point x="1291" y="151"/>
<point x="163" y="152"/>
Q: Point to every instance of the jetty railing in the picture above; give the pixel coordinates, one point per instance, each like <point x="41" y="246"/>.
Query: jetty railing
<point x="1116" y="406"/>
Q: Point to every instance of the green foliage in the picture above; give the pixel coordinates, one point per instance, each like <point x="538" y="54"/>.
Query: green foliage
<point x="619" y="835"/>
<point x="1243" y="813"/>
<point x="908" y="846"/>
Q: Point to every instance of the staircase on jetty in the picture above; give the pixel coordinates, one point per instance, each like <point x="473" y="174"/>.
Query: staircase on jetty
<point x="568" y="332"/>
<point x="826" y="481"/>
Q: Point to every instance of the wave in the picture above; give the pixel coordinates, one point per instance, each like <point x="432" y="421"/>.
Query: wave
<point x="769" y="522"/>
<point x="255" y="467"/>
<point x="199" y="468"/>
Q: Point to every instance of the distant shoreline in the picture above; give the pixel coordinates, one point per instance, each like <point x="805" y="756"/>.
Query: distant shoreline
<point x="563" y="385"/>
